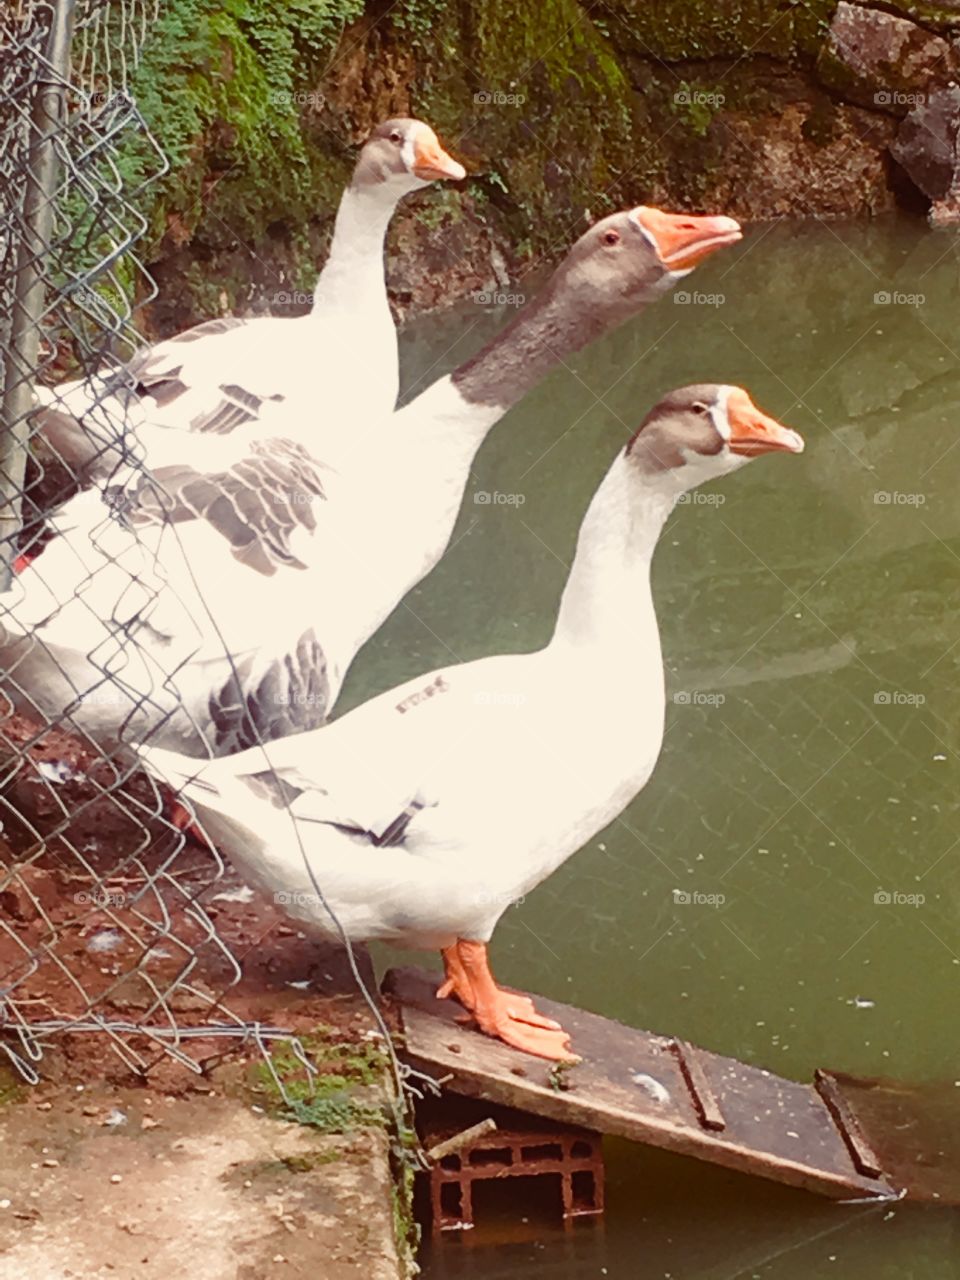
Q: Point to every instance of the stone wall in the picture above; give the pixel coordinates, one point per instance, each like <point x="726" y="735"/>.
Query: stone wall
<point x="561" y="111"/>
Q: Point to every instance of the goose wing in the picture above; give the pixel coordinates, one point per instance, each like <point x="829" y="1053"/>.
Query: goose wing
<point x="257" y="504"/>
<point x="207" y="380"/>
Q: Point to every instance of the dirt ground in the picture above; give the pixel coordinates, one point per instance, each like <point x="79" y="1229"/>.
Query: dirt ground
<point x="126" y="1183"/>
<point x="147" y="1149"/>
<point x="107" y="912"/>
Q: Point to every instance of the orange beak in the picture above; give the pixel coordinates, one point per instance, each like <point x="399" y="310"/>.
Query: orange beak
<point x="684" y="239"/>
<point x="752" y="432"/>
<point x="431" y="162"/>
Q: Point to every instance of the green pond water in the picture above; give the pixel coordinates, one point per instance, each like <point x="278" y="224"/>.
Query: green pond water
<point x="806" y="800"/>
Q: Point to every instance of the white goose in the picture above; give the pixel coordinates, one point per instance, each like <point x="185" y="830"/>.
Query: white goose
<point x="219" y="375"/>
<point x="426" y="811"/>
<point x="283" y="568"/>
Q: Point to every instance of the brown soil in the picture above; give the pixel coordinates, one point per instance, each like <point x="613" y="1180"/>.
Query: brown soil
<point x="107" y="911"/>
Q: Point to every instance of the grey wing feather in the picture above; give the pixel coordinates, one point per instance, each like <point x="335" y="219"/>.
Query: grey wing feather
<point x="257" y="504"/>
<point x="155" y="371"/>
<point x="289" y="696"/>
<point x="289" y="787"/>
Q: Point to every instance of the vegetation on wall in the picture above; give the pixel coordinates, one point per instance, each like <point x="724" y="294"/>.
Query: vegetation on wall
<point x="226" y="88"/>
<point x="561" y="111"/>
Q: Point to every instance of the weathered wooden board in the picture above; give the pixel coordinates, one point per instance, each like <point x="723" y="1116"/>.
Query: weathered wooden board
<point x="644" y="1087"/>
<point x="912" y="1131"/>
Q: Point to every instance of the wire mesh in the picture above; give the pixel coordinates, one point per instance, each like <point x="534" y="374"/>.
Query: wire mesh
<point x="113" y="925"/>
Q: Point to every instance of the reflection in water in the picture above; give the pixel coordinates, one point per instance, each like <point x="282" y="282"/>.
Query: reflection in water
<point x="814" y="792"/>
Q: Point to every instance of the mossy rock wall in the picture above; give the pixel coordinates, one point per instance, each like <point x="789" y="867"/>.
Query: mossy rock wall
<point x="561" y="110"/>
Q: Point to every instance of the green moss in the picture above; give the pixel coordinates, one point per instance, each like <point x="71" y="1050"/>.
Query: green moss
<point x="528" y="86"/>
<point x="444" y="206"/>
<point x="327" y="1099"/>
<point x="419" y="20"/>
<point x="406" y="1230"/>
<point x="11" y="1086"/>
<point x="696" y="104"/>
<point x="332" y="1110"/>
<point x="305" y="1163"/>
<point x="677" y="30"/>
<point x="559" y="1076"/>
<point x="229" y="89"/>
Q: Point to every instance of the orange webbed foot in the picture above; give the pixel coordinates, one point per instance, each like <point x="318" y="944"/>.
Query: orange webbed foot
<point x="178" y="816"/>
<point x="507" y="1015"/>
<point x="539" y="1041"/>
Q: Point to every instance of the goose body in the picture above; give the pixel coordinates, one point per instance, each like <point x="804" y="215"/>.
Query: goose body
<point x="331" y="369"/>
<point x="423" y="813"/>
<point x="275" y="556"/>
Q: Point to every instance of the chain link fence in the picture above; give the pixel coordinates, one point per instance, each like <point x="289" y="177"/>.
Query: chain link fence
<point x="114" y="926"/>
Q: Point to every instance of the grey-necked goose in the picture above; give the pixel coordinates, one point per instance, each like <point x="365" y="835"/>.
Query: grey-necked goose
<point x="424" y="812"/>
<point x="282" y="568"/>
<point x="339" y="361"/>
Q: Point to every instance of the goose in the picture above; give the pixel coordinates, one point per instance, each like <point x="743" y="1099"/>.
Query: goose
<point x="217" y="375"/>
<point x="282" y="565"/>
<point x="424" y="812"/>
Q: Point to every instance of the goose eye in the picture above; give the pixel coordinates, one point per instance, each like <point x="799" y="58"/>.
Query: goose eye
<point x="396" y="136"/>
<point x="611" y="237"/>
<point x="700" y="407"/>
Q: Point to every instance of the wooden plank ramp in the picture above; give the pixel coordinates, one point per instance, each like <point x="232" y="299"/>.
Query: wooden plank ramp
<point x="651" y="1089"/>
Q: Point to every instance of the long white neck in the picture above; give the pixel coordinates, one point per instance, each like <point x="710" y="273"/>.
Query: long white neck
<point x="354" y="266"/>
<point x="434" y="438"/>
<point x="606" y="612"/>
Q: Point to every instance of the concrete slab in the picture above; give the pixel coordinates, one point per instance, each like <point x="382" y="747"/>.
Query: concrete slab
<point x="127" y="1182"/>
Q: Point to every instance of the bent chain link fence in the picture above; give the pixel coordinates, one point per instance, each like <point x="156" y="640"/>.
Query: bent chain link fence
<point x="111" y="923"/>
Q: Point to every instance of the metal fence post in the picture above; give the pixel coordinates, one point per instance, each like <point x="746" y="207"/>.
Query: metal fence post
<point x="28" y="296"/>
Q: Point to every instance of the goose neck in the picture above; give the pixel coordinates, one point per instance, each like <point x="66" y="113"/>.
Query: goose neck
<point x="522" y="354"/>
<point x="607" y="604"/>
<point x="355" y="260"/>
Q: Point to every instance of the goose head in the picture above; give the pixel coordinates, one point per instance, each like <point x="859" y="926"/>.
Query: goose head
<point x="630" y="257"/>
<point x="701" y="432"/>
<point x="403" y="155"/>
